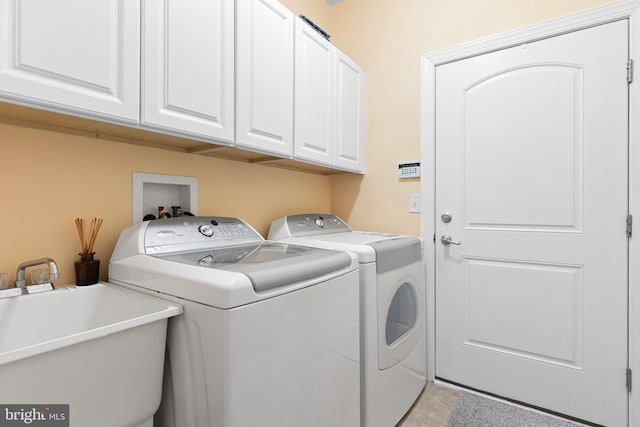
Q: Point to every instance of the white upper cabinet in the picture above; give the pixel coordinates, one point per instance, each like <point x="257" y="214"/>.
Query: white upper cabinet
<point x="264" y="77"/>
<point x="188" y="67"/>
<point x="329" y="103"/>
<point x="349" y="113"/>
<point x="51" y="59"/>
<point x="314" y="96"/>
<point x="245" y="73"/>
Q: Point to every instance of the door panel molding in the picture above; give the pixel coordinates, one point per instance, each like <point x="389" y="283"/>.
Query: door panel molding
<point x="561" y="326"/>
<point x="625" y="9"/>
<point x="495" y="204"/>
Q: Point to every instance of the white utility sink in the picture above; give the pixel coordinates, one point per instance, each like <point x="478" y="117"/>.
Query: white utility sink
<point x="98" y="348"/>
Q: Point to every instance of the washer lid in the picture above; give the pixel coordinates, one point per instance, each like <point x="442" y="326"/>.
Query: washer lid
<point x="267" y="265"/>
<point x="360" y="242"/>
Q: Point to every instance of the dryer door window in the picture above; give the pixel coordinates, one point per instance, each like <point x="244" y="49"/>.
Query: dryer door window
<point x="403" y="313"/>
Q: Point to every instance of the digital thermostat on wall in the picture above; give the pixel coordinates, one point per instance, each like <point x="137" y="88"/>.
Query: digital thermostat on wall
<point x="409" y="169"/>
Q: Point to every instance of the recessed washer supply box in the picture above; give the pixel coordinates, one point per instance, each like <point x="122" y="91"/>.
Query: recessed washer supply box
<point x="153" y="190"/>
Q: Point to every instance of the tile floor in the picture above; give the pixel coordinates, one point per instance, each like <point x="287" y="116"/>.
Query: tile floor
<point x="432" y="407"/>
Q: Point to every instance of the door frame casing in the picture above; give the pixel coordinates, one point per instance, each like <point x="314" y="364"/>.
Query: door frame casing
<point x="621" y="9"/>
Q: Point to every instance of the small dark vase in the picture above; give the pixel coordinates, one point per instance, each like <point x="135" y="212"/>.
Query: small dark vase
<point x="87" y="270"/>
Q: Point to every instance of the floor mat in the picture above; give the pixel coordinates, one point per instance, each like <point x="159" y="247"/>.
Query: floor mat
<point x="471" y="410"/>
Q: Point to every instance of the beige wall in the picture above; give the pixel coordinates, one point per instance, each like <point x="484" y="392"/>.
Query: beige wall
<point x="48" y="179"/>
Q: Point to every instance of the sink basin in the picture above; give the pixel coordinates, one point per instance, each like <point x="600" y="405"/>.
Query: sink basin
<point x="99" y="349"/>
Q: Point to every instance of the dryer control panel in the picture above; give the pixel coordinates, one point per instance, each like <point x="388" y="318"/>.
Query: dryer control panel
<point x="307" y="225"/>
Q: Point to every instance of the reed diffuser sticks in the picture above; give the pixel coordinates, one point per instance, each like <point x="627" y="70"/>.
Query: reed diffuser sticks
<point x="88" y="240"/>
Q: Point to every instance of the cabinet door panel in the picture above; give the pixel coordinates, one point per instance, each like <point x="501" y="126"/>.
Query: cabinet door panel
<point x="188" y="71"/>
<point x="265" y="77"/>
<point x="72" y="55"/>
<point x="313" y="96"/>
<point x="349" y="114"/>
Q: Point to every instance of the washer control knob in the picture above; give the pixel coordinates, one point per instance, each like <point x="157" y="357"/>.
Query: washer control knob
<point x="206" y="230"/>
<point x="319" y="222"/>
<point x="206" y="261"/>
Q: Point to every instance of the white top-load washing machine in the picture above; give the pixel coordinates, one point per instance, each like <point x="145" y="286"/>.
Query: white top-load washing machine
<point x="392" y="301"/>
<point x="270" y="331"/>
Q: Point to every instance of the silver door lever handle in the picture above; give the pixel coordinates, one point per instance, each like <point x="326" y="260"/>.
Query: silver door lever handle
<point x="447" y="240"/>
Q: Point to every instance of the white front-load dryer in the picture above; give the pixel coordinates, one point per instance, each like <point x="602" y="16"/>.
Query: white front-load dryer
<point x="392" y="303"/>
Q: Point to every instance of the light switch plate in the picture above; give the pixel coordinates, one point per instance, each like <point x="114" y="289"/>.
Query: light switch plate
<point x="414" y="202"/>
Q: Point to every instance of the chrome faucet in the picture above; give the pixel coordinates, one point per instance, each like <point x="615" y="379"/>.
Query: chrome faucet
<point x="53" y="270"/>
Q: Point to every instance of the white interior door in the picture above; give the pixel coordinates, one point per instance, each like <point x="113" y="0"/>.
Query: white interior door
<point x="532" y="169"/>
